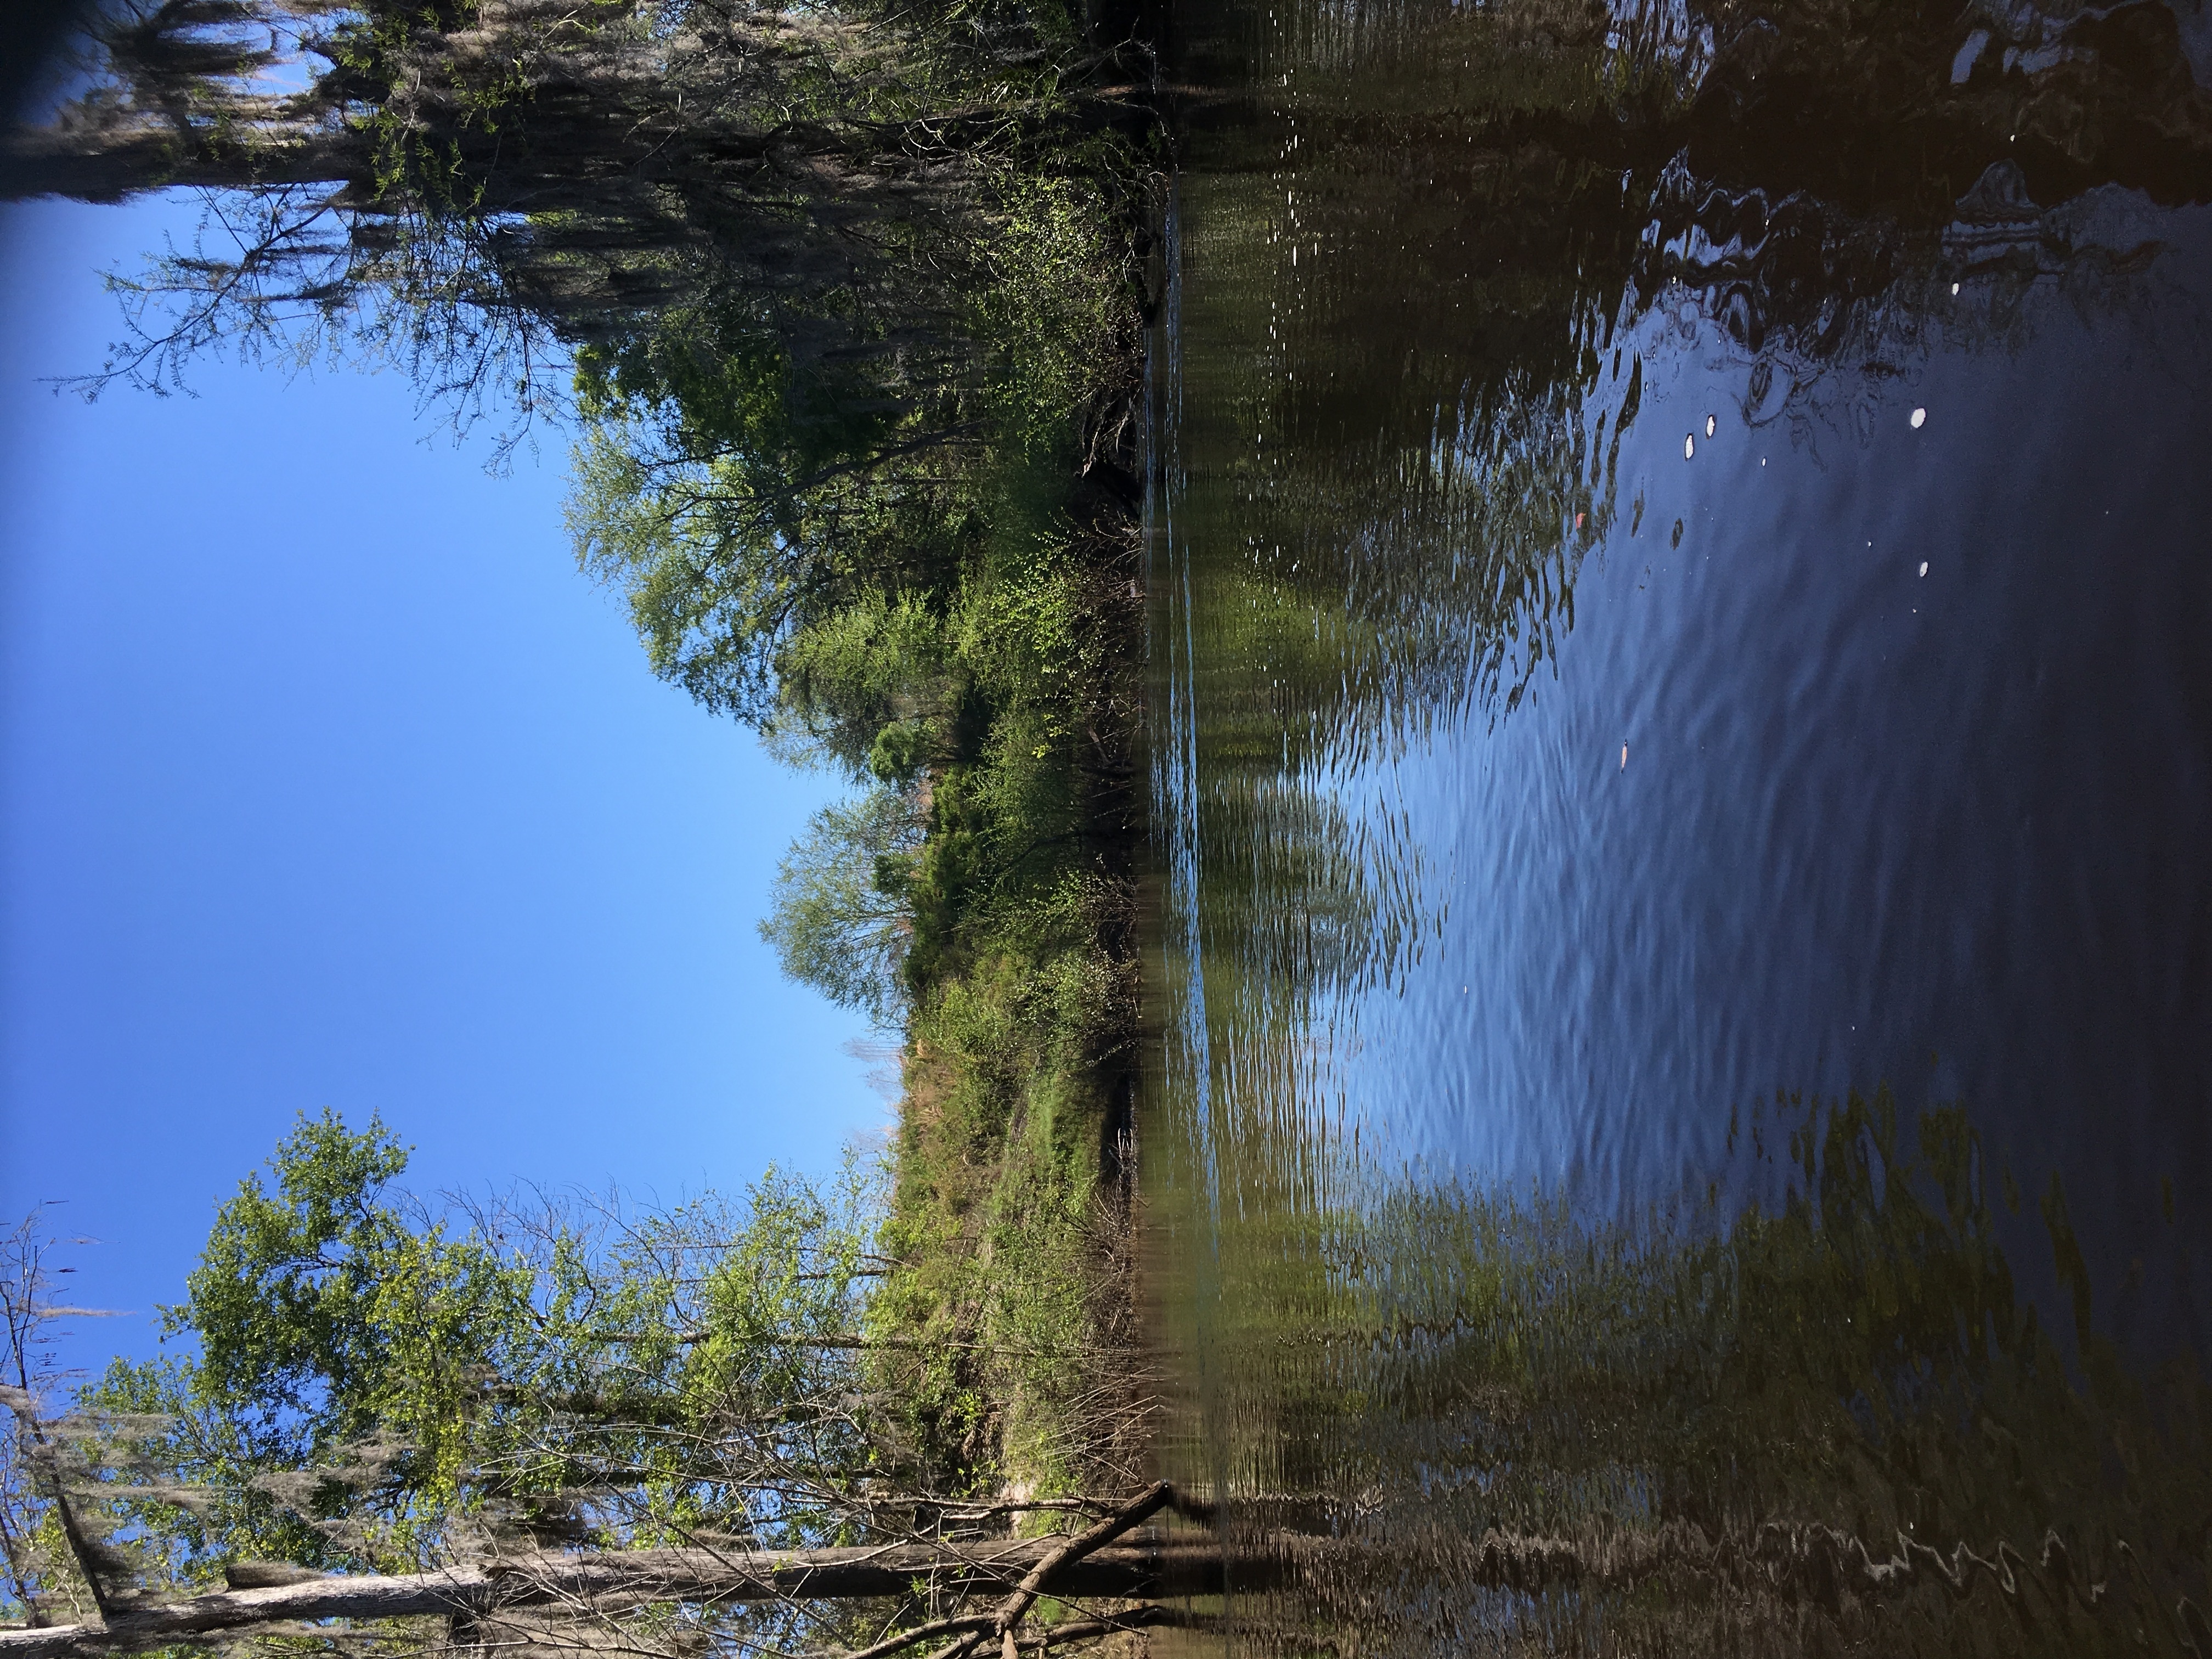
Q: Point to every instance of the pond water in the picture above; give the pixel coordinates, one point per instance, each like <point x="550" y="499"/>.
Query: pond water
<point x="1680" y="1107"/>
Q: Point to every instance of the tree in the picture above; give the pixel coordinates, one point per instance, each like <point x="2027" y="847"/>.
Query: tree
<point x="370" y="1375"/>
<point x="626" y="1598"/>
<point x="520" y="1422"/>
<point x="753" y="521"/>
<point x="807" y="275"/>
<point x="480" y="186"/>
<point x="840" y="917"/>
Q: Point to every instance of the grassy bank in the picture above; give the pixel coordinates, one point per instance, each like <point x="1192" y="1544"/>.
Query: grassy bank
<point x="1010" y="1306"/>
<point x="939" y="596"/>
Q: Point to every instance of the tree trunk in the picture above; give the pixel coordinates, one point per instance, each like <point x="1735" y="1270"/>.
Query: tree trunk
<point x="627" y="1578"/>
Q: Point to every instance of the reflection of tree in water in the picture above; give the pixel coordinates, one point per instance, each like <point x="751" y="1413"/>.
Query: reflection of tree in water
<point x="1432" y="263"/>
<point x="1819" y="313"/>
<point x="1396" y="471"/>
<point x="1420" y="242"/>
<point x="1351" y="583"/>
<point x="1832" y="1427"/>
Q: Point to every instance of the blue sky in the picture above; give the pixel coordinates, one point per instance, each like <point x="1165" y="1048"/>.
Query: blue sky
<point x="329" y="782"/>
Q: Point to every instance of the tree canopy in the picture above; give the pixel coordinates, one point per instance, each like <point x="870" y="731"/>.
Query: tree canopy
<point x="361" y="1380"/>
<point x="479" y="186"/>
<point x="840" y="915"/>
<point x="577" y="1417"/>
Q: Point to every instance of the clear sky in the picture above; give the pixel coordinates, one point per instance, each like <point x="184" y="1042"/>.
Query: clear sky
<point x="330" y="781"/>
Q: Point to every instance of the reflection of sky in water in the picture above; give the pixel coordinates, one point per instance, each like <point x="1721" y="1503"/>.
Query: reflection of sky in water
<point x="1943" y="831"/>
<point x="1865" y="816"/>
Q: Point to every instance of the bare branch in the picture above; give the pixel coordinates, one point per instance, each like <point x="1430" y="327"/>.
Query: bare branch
<point x="1075" y="1549"/>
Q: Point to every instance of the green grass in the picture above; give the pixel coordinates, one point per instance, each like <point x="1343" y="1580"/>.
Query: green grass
<point x="1002" y="1217"/>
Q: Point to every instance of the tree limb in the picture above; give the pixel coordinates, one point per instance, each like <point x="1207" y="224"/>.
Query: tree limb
<point x="1074" y="1549"/>
<point x="637" y="1578"/>
<point x="978" y="1622"/>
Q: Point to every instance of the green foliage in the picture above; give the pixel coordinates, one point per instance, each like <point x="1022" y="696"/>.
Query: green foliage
<point x="321" y="1309"/>
<point x="774" y="507"/>
<point x="874" y="687"/>
<point x="852" y="312"/>
<point x="339" y="1328"/>
<point x="742" y="507"/>
<point x="375" y="1382"/>
<point x="1009" y="1274"/>
<point x="876" y="557"/>
<point x="1055" y="296"/>
<point x="838" y="915"/>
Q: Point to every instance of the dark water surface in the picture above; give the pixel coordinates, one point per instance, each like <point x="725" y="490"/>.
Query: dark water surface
<point x="1682" y="726"/>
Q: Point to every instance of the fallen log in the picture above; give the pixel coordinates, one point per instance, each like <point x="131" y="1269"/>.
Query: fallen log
<point x="615" y="1580"/>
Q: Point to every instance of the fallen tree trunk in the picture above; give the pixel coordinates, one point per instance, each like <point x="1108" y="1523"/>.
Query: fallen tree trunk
<point x="611" y="1581"/>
